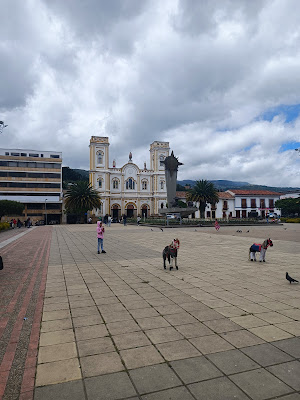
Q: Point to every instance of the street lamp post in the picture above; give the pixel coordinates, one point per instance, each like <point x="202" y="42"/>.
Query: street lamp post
<point x="46" y="211"/>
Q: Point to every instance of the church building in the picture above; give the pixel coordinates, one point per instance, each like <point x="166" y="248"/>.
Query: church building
<point x="128" y="190"/>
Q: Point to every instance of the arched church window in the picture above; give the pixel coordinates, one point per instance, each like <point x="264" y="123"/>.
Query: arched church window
<point x="162" y="205"/>
<point x="99" y="157"/>
<point x="100" y="182"/>
<point x="115" y="184"/>
<point x="162" y="185"/>
<point x="144" y="185"/>
<point x="130" y="184"/>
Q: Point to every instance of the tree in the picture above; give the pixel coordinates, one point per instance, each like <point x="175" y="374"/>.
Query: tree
<point x="288" y="206"/>
<point x="81" y="198"/>
<point x="8" y="207"/>
<point x="203" y="192"/>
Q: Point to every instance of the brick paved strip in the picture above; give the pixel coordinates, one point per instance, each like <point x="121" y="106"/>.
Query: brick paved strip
<point x="17" y="368"/>
<point x="13" y="301"/>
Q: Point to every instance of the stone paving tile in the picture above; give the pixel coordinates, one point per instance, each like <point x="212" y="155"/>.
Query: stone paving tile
<point x="57" y="352"/>
<point x="177" y="350"/>
<point x="290" y="346"/>
<point x="217" y="389"/>
<point x="162" y="335"/>
<point x="270" y="333"/>
<point x="106" y="387"/>
<point x="58" y="372"/>
<point x="274" y="317"/>
<point x="54" y="315"/>
<point x="131" y="340"/>
<point x="56" y="325"/>
<point x="288" y="372"/>
<point x="260" y="384"/>
<point x="141" y="357"/>
<point x="115" y="328"/>
<point x="57" y="337"/>
<point x="266" y="354"/>
<point x="85" y="311"/>
<point x="194" y="330"/>
<point x="67" y="391"/>
<point x="152" y="323"/>
<point x="222" y="325"/>
<point x="101" y="364"/>
<point x="90" y="332"/>
<point x="154" y="378"/>
<point x="178" y="393"/>
<point x="180" y="319"/>
<point x="95" y="346"/>
<point x="249" y="321"/>
<point x="291" y="327"/>
<point x="211" y="344"/>
<point x="195" y="369"/>
<point x="87" y="320"/>
<point x="242" y="338"/>
<point x="232" y="361"/>
<point x="144" y="312"/>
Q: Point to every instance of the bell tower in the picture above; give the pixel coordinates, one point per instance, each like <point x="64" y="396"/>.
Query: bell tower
<point x="158" y="152"/>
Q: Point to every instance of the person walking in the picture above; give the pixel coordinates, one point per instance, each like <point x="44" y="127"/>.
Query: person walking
<point x="138" y="220"/>
<point x="109" y="220"/>
<point x="19" y="223"/>
<point x="100" y="236"/>
<point x="125" y="219"/>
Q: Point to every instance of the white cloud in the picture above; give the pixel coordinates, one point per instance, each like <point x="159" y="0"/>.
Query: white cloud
<point x="197" y="74"/>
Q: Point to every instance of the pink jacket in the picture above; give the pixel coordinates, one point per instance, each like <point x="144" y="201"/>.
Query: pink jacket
<point x="100" y="230"/>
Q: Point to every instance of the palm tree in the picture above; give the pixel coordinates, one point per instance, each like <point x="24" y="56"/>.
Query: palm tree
<point x="81" y="197"/>
<point x="203" y="192"/>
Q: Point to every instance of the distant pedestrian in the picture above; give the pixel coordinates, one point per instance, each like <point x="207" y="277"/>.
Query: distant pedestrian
<point x="19" y="223"/>
<point x="125" y="219"/>
<point x="100" y="236"/>
<point x="217" y="226"/>
<point x="138" y="220"/>
<point x="109" y="220"/>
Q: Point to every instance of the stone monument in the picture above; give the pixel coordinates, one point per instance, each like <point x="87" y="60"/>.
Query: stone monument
<point x="171" y="167"/>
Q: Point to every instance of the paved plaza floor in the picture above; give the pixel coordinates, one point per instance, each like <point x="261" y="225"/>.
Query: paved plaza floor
<point x="119" y="326"/>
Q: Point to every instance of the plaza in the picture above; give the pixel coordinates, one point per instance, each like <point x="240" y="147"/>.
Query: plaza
<point x="119" y="326"/>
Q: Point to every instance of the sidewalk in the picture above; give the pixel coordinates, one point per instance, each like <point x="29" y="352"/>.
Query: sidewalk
<point x="117" y="326"/>
<point x="22" y="284"/>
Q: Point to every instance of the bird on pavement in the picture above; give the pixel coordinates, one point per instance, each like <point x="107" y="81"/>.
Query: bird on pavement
<point x="248" y="231"/>
<point x="290" y="279"/>
<point x="161" y="229"/>
<point x="151" y="229"/>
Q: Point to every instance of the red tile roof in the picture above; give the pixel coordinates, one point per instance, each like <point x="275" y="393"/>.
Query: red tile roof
<point x="254" y="192"/>
<point x="225" y="195"/>
<point x="181" y="194"/>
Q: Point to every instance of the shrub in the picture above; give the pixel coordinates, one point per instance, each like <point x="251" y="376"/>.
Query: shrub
<point x="4" y="226"/>
<point x="292" y="220"/>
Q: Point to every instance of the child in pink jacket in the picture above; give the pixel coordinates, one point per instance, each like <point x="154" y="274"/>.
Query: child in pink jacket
<point x="100" y="236"/>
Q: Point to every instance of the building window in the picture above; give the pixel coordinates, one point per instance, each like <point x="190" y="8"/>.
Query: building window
<point x="115" y="184"/>
<point x="262" y="203"/>
<point x="271" y="203"/>
<point x="161" y="161"/>
<point x="162" y="205"/>
<point x="244" y="203"/>
<point x="130" y="184"/>
<point x="238" y="214"/>
<point x="207" y="214"/>
<point x="15" y="154"/>
<point x="225" y="205"/>
<point x="144" y="185"/>
<point x="100" y="157"/>
<point x="100" y="183"/>
<point x="6" y="153"/>
<point x="54" y="156"/>
<point x="25" y="154"/>
<point x="162" y="185"/>
<point x="33" y="155"/>
<point x="253" y="203"/>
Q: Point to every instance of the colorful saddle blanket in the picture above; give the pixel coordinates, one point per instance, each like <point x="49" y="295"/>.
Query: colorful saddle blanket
<point x="255" y="247"/>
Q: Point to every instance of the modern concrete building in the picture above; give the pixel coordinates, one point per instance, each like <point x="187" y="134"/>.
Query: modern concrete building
<point x="128" y="189"/>
<point x="33" y="178"/>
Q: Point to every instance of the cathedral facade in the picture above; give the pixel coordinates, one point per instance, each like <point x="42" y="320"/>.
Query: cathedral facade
<point x="128" y="190"/>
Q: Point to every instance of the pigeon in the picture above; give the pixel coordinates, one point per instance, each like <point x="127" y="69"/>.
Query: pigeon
<point x="151" y="229"/>
<point x="161" y="229"/>
<point x="195" y="230"/>
<point x="248" y="231"/>
<point x="290" y="279"/>
<point x="285" y="229"/>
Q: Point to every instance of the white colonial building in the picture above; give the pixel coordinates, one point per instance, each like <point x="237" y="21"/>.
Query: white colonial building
<point x="128" y="190"/>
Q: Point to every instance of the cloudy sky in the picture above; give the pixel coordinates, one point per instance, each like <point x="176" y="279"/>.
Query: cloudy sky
<point x="218" y="79"/>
